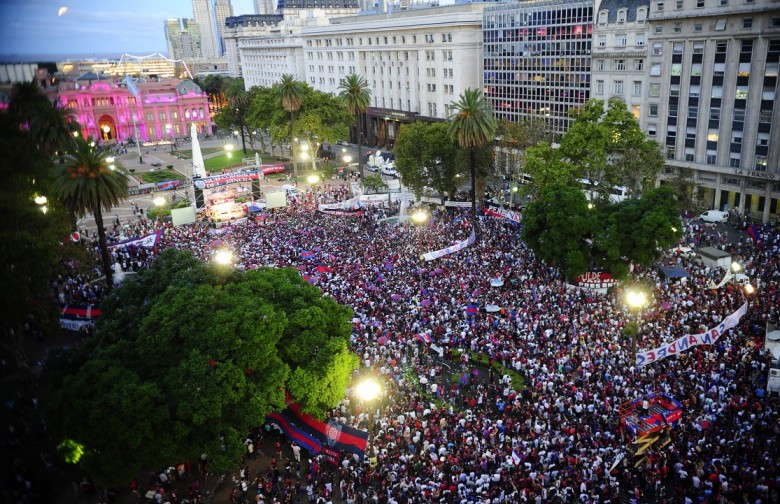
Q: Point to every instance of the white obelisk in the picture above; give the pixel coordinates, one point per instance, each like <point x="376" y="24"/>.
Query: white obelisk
<point x="198" y="167"/>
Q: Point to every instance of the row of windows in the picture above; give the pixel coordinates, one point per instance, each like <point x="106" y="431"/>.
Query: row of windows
<point x="429" y="38"/>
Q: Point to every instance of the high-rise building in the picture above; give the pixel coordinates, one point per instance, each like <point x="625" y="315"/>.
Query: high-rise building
<point x="537" y="59"/>
<point x="713" y="101"/>
<point x="264" y="7"/>
<point x="204" y="16"/>
<point x="183" y="38"/>
<point x="223" y="9"/>
<point x="620" y="54"/>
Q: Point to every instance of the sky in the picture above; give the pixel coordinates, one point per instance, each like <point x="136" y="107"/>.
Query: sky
<point x="99" y="27"/>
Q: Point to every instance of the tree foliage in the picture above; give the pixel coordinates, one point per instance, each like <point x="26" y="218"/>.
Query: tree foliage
<point x="355" y="95"/>
<point x="426" y="156"/>
<point x="188" y="357"/>
<point x="514" y="139"/>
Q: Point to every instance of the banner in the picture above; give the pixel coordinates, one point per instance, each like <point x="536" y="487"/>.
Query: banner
<point x="726" y="279"/>
<point x="690" y="340"/>
<point x="334" y="435"/>
<point x="147" y="241"/>
<point x="457" y="204"/>
<point x="74" y="325"/>
<point x="350" y="204"/>
<point x="232" y="178"/>
<point x="501" y="213"/>
<point x="430" y="256"/>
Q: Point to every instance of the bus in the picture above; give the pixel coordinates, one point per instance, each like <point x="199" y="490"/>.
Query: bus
<point x="592" y="193"/>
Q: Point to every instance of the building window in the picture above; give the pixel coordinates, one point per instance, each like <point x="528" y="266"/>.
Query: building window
<point x="431" y="109"/>
<point x="677" y="47"/>
<point x="747" y="23"/>
<point x="699" y="4"/>
<point x="658" y="49"/>
<point x="653" y="110"/>
<point x="639" y="65"/>
<point x="698" y="47"/>
<point x="602" y="40"/>
<point x="621" y="40"/>
<point x="641" y="15"/>
<point x="652" y="130"/>
<point x="599" y="87"/>
<point x="600" y="65"/>
<point x="723" y="3"/>
<point x="659" y="29"/>
<point x="679" y="5"/>
<point x="620" y="65"/>
<point x="640" y="39"/>
<point x="677" y="27"/>
<point x="712" y="159"/>
<point x="636" y="110"/>
<point x="618" y="87"/>
<point x="693" y="112"/>
<point x="637" y="88"/>
<point x="655" y="90"/>
<point x="720" y="25"/>
<point x="655" y="69"/>
<point x="697" y="27"/>
<point x="621" y="16"/>
<point x="603" y="17"/>
<point x="659" y="6"/>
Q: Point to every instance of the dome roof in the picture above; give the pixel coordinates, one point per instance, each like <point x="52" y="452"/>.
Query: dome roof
<point x="187" y="86"/>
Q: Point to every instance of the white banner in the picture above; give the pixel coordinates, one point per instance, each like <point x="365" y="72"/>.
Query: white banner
<point x="726" y="279"/>
<point x="430" y="256"/>
<point x="690" y="340"/>
<point x="350" y="204"/>
<point x="74" y="325"/>
<point x="458" y="204"/>
<point x="147" y="241"/>
<point x="502" y="213"/>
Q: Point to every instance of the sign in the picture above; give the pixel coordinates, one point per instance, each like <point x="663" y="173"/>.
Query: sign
<point x="234" y="178"/>
<point x="596" y="280"/>
<point x="755" y="174"/>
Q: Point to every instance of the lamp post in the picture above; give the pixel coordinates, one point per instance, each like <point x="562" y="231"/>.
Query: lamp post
<point x="223" y="257"/>
<point x="110" y="160"/>
<point x="635" y="299"/>
<point x="368" y="390"/>
<point x="420" y="216"/>
<point x="229" y="150"/>
<point x="169" y="129"/>
<point x="313" y="180"/>
<point x="735" y="268"/>
<point x="41" y="202"/>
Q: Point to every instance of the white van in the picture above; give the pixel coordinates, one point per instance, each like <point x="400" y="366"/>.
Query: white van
<point x="714" y="216"/>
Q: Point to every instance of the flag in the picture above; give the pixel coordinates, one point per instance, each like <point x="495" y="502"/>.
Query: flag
<point x="294" y="433"/>
<point x="388" y="265"/>
<point x="307" y="254"/>
<point x="424" y="337"/>
<point x="463" y="379"/>
<point x="472" y="309"/>
<point x="324" y="269"/>
<point x="753" y="232"/>
<point x="337" y="436"/>
<point x="132" y="87"/>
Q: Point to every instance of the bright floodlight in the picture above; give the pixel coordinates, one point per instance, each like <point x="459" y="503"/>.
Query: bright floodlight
<point x="106" y="128"/>
<point x="749" y="289"/>
<point x="368" y="389"/>
<point x="347" y="158"/>
<point x="110" y="159"/>
<point x="419" y="216"/>
<point x="40" y="200"/>
<point x="736" y="267"/>
<point x="312" y="179"/>
<point x="159" y="201"/>
<point x="304" y="146"/>
<point x="636" y="298"/>
<point x="304" y="155"/>
<point x="223" y="257"/>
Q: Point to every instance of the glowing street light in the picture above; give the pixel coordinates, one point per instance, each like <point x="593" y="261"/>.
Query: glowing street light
<point x="735" y="268"/>
<point x="749" y="289"/>
<point x="635" y="299"/>
<point x="223" y="257"/>
<point x="313" y="180"/>
<point x="229" y="150"/>
<point x="368" y="390"/>
<point x="159" y="201"/>
<point x="420" y="216"/>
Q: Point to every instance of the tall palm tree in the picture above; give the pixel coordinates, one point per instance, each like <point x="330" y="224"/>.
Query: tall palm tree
<point x="52" y="127"/>
<point x="356" y="96"/>
<point x="26" y="101"/>
<point x="473" y="126"/>
<point x="290" y="93"/>
<point x="238" y="101"/>
<point x="85" y="184"/>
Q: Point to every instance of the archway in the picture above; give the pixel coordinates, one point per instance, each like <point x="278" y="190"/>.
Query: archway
<point x="107" y="128"/>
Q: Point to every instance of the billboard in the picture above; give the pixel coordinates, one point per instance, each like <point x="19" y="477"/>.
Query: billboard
<point x="181" y="216"/>
<point x="276" y="200"/>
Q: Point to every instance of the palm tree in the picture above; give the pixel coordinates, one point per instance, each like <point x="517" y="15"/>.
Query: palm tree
<point x="26" y="101"/>
<point x="85" y="184"/>
<point x="356" y="96"/>
<point x="472" y="126"/>
<point x="238" y="101"/>
<point x="52" y="127"/>
<point x="291" y="94"/>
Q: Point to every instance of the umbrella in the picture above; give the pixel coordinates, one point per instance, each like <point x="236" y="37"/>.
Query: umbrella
<point x="382" y="340"/>
<point x="497" y="282"/>
<point x="491" y="308"/>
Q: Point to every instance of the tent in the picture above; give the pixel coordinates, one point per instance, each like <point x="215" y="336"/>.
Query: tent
<point x="674" y="272"/>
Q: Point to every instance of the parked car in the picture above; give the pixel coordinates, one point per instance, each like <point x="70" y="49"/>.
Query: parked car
<point x="714" y="216"/>
<point x="372" y="168"/>
<point x="389" y="170"/>
<point x="342" y="142"/>
<point x="157" y="165"/>
<point x="684" y="252"/>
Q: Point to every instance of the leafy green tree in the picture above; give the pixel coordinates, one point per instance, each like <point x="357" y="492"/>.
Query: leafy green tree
<point x="30" y="239"/>
<point x="52" y="127"/>
<point x="214" y="86"/>
<point x="26" y="102"/>
<point x="473" y="126"/>
<point x="85" y="184"/>
<point x="263" y="114"/>
<point x="545" y="168"/>
<point x="321" y="118"/>
<point x="188" y="357"/>
<point x="374" y="183"/>
<point x="238" y="102"/>
<point x="514" y="138"/>
<point x="290" y="93"/>
<point x="636" y="230"/>
<point x="426" y="156"/>
<point x="356" y="96"/>
<point x="558" y="226"/>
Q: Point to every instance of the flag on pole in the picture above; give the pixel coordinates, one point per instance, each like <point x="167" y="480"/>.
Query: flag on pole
<point x="132" y="87"/>
<point x="753" y="232"/>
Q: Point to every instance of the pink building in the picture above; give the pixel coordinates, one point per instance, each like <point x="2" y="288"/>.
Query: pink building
<point x="107" y="110"/>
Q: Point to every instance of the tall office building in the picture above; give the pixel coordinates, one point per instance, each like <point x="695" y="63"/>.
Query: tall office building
<point x="204" y="16"/>
<point x="537" y="59"/>
<point x="223" y="9"/>
<point x="183" y="38"/>
<point x="712" y="99"/>
<point x="265" y="7"/>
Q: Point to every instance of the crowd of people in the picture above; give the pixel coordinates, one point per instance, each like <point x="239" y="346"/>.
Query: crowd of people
<point x="488" y="439"/>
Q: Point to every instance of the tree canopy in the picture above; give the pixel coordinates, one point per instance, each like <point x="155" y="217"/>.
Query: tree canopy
<point x="187" y="357"/>
<point x="426" y="156"/>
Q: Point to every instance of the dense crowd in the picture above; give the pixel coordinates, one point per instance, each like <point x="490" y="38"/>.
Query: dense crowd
<point x="554" y="438"/>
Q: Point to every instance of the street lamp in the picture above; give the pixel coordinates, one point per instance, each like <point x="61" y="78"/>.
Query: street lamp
<point x="420" y="216"/>
<point x="735" y="268"/>
<point x="635" y="299"/>
<point x="106" y="130"/>
<point x="223" y="257"/>
<point x="41" y="202"/>
<point x="159" y="201"/>
<point x="229" y="150"/>
<point x="169" y="129"/>
<point x="749" y="289"/>
<point x="313" y="180"/>
<point x="110" y="161"/>
<point x="368" y="390"/>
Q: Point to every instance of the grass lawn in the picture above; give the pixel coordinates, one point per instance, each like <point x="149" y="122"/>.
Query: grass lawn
<point x="217" y="163"/>
<point x="163" y="175"/>
<point x="204" y="150"/>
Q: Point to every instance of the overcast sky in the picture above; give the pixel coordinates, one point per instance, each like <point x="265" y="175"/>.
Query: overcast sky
<point x="91" y="26"/>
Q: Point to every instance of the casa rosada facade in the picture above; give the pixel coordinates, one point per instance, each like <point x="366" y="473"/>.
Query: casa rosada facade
<point x="163" y="111"/>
